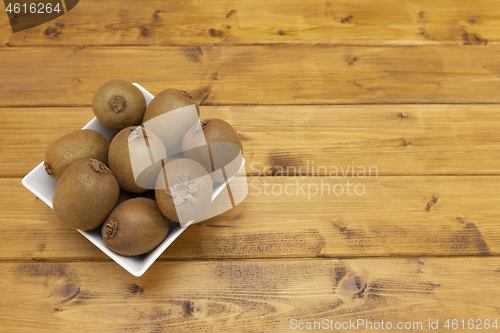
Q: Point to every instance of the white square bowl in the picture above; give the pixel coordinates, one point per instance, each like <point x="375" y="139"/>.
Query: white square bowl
<point x="43" y="186"/>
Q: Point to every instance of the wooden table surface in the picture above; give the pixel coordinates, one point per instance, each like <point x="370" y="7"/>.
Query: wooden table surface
<point x="410" y="88"/>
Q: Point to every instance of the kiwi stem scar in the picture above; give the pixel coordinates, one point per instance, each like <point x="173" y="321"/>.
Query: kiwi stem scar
<point x="117" y="104"/>
<point x="98" y="166"/>
<point x="47" y="167"/>
<point x="111" y="228"/>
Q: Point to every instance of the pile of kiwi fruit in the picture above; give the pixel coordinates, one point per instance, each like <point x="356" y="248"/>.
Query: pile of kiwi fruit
<point x="159" y="167"/>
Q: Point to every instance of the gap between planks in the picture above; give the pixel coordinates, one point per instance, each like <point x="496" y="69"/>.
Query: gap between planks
<point x="324" y="258"/>
<point x="291" y="45"/>
<point x="264" y="104"/>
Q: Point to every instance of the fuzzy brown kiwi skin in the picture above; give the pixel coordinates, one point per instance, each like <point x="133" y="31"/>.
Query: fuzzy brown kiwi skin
<point x="118" y="104"/>
<point x="168" y="100"/>
<point x="74" y="146"/>
<point x="85" y="194"/>
<point x="135" y="227"/>
<point x="119" y="159"/>
<point x="164" y="118"/>
<point x="229" y="135"/>
<point x="214" y="130"/>
<point x="187" y="210"/>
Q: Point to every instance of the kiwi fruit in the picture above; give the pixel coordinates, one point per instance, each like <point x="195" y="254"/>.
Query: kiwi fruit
<point x="74" y="146"/>
<point x="135" y="227"/>
<point x="183" y="190"/>
<point x="169" y="117"/>
<point x="85" y="194"/>
<point x="218" y="149"/>
<point x="118" y="104"/>
<point x="135" y="157"/>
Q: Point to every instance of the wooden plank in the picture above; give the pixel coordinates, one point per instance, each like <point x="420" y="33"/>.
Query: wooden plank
<point x="248" y="296"/>
<point x="391" y="22"/>
<point x="313" y="140"/>
<point x="394" y="216"/>
<point x="256" y="74"/>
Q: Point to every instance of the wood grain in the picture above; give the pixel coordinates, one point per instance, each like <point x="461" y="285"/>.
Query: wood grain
<point x="246" y="296"/>
<point x="318" y="140"/>
<point x="393" y="22"/>
<point x="237" y="75"/>
<point x="283" y="73"/>
<point x="395" y="216"/>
